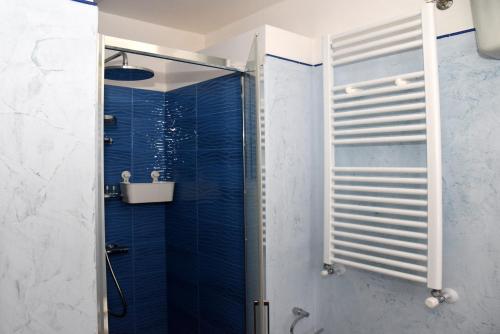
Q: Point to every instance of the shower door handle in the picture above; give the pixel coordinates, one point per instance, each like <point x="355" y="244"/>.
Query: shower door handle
<point x="255" y="304"/>
<point x="267" y="306"/>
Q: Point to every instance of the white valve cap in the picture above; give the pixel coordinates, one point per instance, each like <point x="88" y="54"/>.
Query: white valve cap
<point x="432" y="302"/>
<point x="324" y="272"/>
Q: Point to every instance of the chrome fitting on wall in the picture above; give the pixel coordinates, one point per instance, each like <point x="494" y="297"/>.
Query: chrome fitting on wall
<point x="442" y="4"/>
<point x="332" y="269"/>
<point x="439" y="297"/>
<point x="112" y="191"/>
<point x="108" y="140"/>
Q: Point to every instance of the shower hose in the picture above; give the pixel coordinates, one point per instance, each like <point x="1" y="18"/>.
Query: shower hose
<point x="123" y="313"/>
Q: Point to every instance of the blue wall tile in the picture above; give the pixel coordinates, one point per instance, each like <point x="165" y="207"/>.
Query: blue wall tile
<point x="138" y="146"/>
<point x="185" y="253"/>
<point x="219" y="113"/>
<point x="205" y="221"/>
<point x="180" y="109"/>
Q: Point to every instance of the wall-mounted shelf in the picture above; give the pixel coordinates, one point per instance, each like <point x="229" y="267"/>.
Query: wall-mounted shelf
<point x="154" y="192"/>
<point x="135" y="193"/>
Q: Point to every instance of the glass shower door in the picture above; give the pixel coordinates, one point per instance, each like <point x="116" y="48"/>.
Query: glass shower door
<point x="256" y="310"/>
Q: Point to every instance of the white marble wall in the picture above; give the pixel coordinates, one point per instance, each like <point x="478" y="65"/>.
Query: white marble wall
<point x="48" y="95"/>
<point x="360" y="302"/>
<point x="291" y="160"/>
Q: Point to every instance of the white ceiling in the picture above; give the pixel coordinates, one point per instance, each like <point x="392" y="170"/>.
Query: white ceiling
<point x="200" y="16"/>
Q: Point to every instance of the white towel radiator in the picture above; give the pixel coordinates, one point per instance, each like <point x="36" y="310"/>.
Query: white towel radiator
<point x="384" y="219"/>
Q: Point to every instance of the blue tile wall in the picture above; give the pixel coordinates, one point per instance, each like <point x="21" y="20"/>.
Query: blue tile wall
<point x="205" y="229"/>
<point x="138" y="146"/>
<point x="187" y="262"/>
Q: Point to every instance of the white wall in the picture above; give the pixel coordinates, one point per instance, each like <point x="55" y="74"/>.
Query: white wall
<point x="292" y="162"/>
<point x="271" y="40"/>
<point x="169" y="75"/>
<point x="48" y="101"/>
<point x="293" y="28"/>
<point x="124" y="27"/>
<point x="315" y="18"/>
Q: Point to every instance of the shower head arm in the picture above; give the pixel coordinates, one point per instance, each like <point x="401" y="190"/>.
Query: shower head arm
<point x="118" y="55"/>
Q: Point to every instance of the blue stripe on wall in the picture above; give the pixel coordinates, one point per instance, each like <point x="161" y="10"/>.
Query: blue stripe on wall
<point x="86" y="2"/>
<point x="315" y="65"/>
<point x="457" y="33"/>
<point x="288" y="59"/>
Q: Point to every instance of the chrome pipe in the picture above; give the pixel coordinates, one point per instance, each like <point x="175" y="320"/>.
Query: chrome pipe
<point x="117" y="55"/>
<point x="299" y="315"/>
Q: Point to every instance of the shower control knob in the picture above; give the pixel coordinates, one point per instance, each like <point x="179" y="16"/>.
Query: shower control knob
<point x="324" y="273"/>
<point x="432" y="302"/>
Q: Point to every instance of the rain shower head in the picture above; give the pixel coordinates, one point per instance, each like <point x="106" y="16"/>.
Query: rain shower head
<point x="125" y="72"/>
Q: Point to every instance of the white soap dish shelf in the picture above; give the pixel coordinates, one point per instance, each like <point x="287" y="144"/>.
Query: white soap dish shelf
<point x="154" y="192"/>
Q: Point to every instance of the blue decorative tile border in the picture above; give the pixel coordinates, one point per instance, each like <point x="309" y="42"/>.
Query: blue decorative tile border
<point x="315" y="65"/>
<point x="456" y="33"/>
<point x="87" y="2"/>
<point x="288" y="59"/>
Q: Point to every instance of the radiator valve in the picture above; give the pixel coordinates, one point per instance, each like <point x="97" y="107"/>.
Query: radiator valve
<point x="438" y="297"/>
<point x="332" y="269"/>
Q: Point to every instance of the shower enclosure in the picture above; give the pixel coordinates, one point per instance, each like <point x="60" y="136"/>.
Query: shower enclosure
<point x="194" y="264"/>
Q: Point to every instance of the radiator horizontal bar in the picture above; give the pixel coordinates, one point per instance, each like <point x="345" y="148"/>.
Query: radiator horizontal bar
<point x="386" y="241"/>
<point x="385" y="271"/>
<point x="382" y="230"/>
<point x="379" y="100"/>
<point x="377" y="53"/>
<point x="385" y="200"/>
<point x="376" y="43"/>
<point x="380" y="90"/>
<point x="374" y="31"/>
<point x="385" y="129"/>
<point x="380" y="250"/>
<point x="400" y="170"/>
<point x="379" y="179"/>
<point x="379" y="120"/>
<point x="381" y="140"/>
<point x="380" y="81"/>
<point x="401" y="212"/>
<point x="381" y="260"/>
<point x="380" y="220"/>
<point x="381" y="110"/>
<point x="387" y="190"/>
